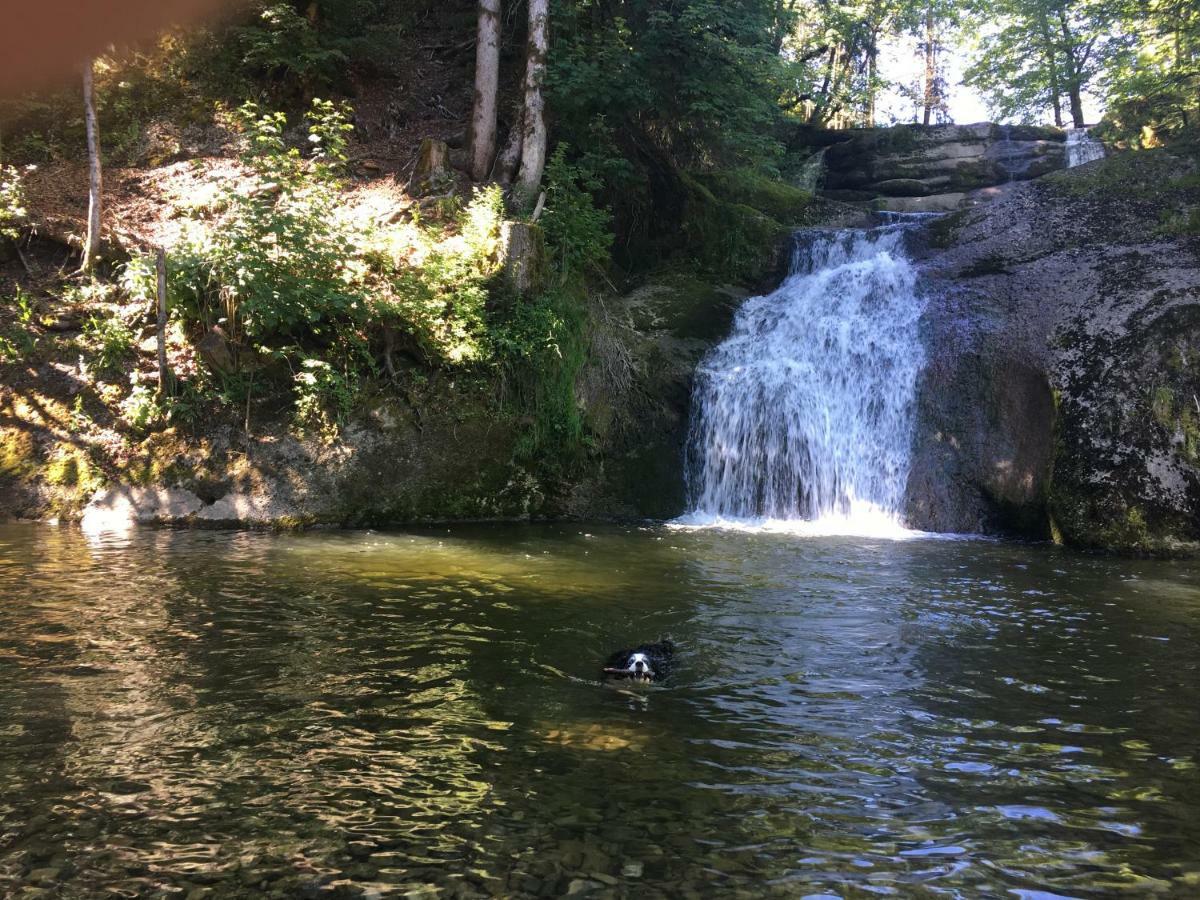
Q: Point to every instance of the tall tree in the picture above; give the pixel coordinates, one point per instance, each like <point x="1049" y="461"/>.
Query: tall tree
<point x="91" y="244"/>
<point x="487" y="83"/>
<point x="1044" y="50"/>
<point x="533" y="137"/>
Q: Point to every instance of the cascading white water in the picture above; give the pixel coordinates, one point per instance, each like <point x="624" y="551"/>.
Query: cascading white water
<point x="1082" y="147"/>
<point x="803" y="417"/>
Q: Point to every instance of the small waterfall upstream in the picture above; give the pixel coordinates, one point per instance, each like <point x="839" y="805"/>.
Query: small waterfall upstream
<point x="802" y="419"/>
<point x="1082" y="147"/>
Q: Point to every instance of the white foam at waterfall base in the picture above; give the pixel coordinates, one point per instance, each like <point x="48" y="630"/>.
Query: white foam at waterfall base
<point x="802" y="418"/>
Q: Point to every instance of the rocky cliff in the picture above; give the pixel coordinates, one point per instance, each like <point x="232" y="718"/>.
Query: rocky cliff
<point x="912" y="168"/>
<point x="1064" y="343"/>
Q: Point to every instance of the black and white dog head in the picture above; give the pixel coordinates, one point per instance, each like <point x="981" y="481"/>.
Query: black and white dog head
<point x="649" y="662"/>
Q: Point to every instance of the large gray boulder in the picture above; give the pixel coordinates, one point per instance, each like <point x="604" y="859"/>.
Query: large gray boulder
<point x="1063" y="332"/>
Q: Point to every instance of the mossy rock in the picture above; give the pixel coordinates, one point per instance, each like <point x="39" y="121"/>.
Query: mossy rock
<point x="783" y="202"/>
<point x="18" y="453"/>
<point x="731" y="240"/>
<point x="1028" y="133"/>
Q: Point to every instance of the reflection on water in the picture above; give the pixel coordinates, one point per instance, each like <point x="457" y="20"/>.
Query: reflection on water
<point x="368" y="714"/>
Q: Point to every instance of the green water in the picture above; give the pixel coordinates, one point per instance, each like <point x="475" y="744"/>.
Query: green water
<point x="238" y="714"/>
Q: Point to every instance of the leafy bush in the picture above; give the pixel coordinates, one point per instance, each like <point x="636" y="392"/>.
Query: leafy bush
<point x="281" y="262"/>
<point x="542" y="342"/>
<point x="324" y="396"/>
<point x="111" y="341"/>
<point x="435" y="287"/>
<point x="577" y="233"/>
<point x="284" y="44"/>
<point x="19" y="342"/>
<point x="141" y="408"/>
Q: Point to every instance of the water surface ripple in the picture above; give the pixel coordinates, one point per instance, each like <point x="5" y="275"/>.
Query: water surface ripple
<point x="201" y="713"/>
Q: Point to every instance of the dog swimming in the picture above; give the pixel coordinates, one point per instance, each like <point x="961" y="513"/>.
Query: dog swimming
<point x="646" y="663"/>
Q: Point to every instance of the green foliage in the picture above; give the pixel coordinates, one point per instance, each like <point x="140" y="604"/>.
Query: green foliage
<point x="542" y="346"/>
<point x="542" y="342"/>
<point x="12" y="203"/>
<point x="18" y="342"/>
<point x="435" y="286"/>
<point x="1142" y="59"/>
<point x="111" y="341"/>
<point x="283" y="44"/>
<point x="699" y="78"/>
<point x="577" y="232"/>
<point x="1153" y="89"/>
<point x="282" y="262"/>
<point x="141" y="408"/>
<point x="650" y="88"/>
<point x="324" y="396"/>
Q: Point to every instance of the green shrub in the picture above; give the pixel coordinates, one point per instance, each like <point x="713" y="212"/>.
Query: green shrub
<point x="325" y="397"/>
<point x="110" y="339"/>
<point x="281" y="262"/>
<point x="283" y="44"/>
<point x="435" y="287"/>
<point x="141" y="408"/>
<point x="577" y="233"/>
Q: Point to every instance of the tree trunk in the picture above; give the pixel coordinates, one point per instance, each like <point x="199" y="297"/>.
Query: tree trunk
<point x="166" y="381"/>
<point x="930" y="64"/>
<point x="1076" y="105"/>
<point x="1055" y="90"/>
<point x="482" y="143"/>
<point x="91" y="244"/>
<point x="533" y="140"/>
<point x="1074" y="75"/>
<point x="872" y="68"/>
<point x="510" y="153"/>
<point x="1052" y="70"/>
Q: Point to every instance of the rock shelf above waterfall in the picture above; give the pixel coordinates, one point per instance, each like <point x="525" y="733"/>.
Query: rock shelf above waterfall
<point x="913" y="167"/>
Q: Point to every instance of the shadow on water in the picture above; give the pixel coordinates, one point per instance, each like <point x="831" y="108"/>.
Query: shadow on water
<point x="367" y="714"/>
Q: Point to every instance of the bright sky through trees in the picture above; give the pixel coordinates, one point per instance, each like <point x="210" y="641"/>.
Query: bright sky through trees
<point x="900" y="62"/>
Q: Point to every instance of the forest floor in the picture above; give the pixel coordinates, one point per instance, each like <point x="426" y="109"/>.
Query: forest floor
<point x="73" y="351"/>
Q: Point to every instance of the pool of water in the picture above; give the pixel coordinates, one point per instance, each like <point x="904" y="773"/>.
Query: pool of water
<point x="241" y="714"/>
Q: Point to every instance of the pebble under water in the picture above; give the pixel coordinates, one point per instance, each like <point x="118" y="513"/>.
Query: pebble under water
<point x="207" y="714"/>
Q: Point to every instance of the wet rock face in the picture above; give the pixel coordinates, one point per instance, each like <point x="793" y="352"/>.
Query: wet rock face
<point x="1063" y="333"/>
<point x="910" y="161"/>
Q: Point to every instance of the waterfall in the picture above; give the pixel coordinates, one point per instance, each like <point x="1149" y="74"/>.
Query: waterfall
<point x="803" y="417"/>
<point x="1082" y="147"/>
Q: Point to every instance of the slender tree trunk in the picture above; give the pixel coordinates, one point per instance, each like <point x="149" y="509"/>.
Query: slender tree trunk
<point x="824" y="101"/>
<point x="91" y="244"/>
<point x="533" y="140"/>
<point x="930" y="64"/>
<point x="1055" y="89"/>
<point x="487" y="81"/>
<point x="872" y="70"/>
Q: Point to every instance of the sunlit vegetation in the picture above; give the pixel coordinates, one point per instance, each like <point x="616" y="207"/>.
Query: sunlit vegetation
<point x="306" y="277"/>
